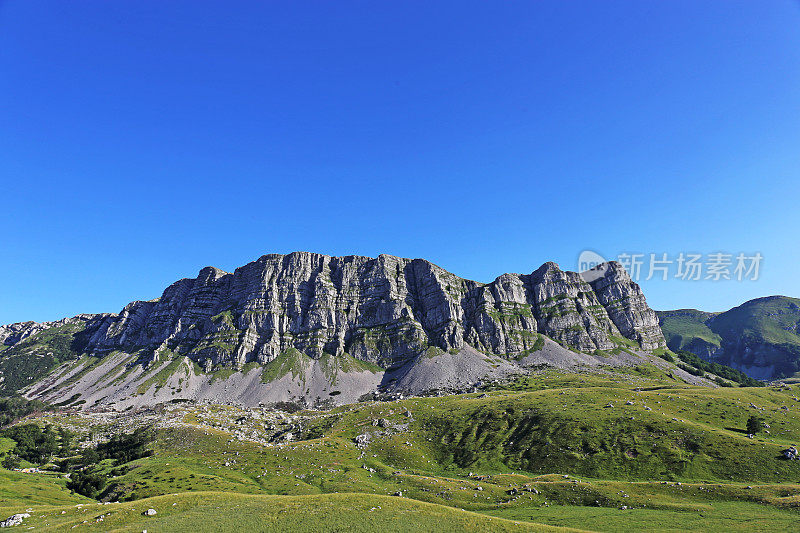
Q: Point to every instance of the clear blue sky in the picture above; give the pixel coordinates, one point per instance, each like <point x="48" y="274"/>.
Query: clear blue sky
<point x="141" y="141"/>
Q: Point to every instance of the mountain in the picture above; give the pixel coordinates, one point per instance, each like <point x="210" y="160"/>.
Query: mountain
<point x="316" y="328"/>
<point x="761" y="337"/>
<point x="616" y="434"/>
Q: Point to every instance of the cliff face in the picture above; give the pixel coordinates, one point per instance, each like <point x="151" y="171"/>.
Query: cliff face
<point x="382" y="310"/>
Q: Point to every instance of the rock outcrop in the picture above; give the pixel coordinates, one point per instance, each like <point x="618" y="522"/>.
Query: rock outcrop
<point x="12" y="334"/>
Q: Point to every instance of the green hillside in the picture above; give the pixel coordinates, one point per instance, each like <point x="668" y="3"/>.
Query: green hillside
<point x="772" y="320"/>
<point x="33" y="358"/>
<point x="761" y="336"/>
<point x="684" y="328"/>
<point x="622" y="449"/>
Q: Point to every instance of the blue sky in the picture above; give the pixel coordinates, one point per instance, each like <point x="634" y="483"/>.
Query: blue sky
<point x="141" y="141"/>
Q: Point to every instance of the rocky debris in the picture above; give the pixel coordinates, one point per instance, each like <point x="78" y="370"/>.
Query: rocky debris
<point x="14" y="520"/>
<point x="363" y="440"/>
<point x="790" y="453"/>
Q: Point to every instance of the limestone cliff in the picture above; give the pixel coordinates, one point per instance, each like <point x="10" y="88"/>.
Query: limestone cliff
<point x="382" y="310"/>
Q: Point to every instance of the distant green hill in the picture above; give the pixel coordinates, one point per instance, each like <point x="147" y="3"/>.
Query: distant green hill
<point x="760" y="337"/>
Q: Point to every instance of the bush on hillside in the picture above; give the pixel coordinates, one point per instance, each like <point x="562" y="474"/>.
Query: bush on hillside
<point x="754" y="425"/>
<point x="14" y="408"/>
<point x="87" y="483"/>
<point x="126" y="447"/>
<point x="33" y="443"/>
<point x="11" y="461"/>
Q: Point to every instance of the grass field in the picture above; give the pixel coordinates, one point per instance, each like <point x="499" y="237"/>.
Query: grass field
<point x="219" y="511"/>
<point x="619" y="451"/>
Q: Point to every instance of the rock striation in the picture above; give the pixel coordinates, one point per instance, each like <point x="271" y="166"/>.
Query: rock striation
<point x="385" y="310"/>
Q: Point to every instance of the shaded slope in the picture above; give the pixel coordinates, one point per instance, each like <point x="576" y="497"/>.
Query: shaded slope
<point x="760" y="337"/>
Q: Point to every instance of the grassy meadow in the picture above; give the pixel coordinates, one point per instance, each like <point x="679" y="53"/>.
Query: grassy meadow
<point x="615" y="451"/>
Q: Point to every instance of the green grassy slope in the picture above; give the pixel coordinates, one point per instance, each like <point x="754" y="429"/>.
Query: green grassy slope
<point x="545" y="449"/>
<point x="237" y="512"/>
<point x="19" y="491"/>
<point x="762" y="332"/>
<point x="772" y="320"/>
<point x="686" y="328"/>
<point x="33" y="358"/>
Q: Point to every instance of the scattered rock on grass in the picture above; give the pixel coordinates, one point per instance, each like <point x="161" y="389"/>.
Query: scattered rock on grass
<point x="14" y="520"/>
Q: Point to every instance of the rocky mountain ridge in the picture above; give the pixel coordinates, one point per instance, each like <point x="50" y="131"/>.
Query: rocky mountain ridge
<point x="11" y="334"/>
<point x="324" y="315"/>
<point x="381" y="310"/>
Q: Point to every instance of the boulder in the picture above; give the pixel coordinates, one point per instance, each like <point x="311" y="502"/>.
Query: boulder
<point x="14" y="520"/>
<point x="363" y="440"/>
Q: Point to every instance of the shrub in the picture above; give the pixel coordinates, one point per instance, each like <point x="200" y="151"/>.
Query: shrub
<point x="692" y="370"/>
<point x="754" y="425"/>
<point x="14" y="408"/>
<point x="666" y="357"/>
<point x="11" y="461"/>
<point x="715" y="368"/>
<point x="87" y="483"/>
<point x="126" y="447"/>
<point x="288" y="407"/>
<point x="33" y="443"/>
